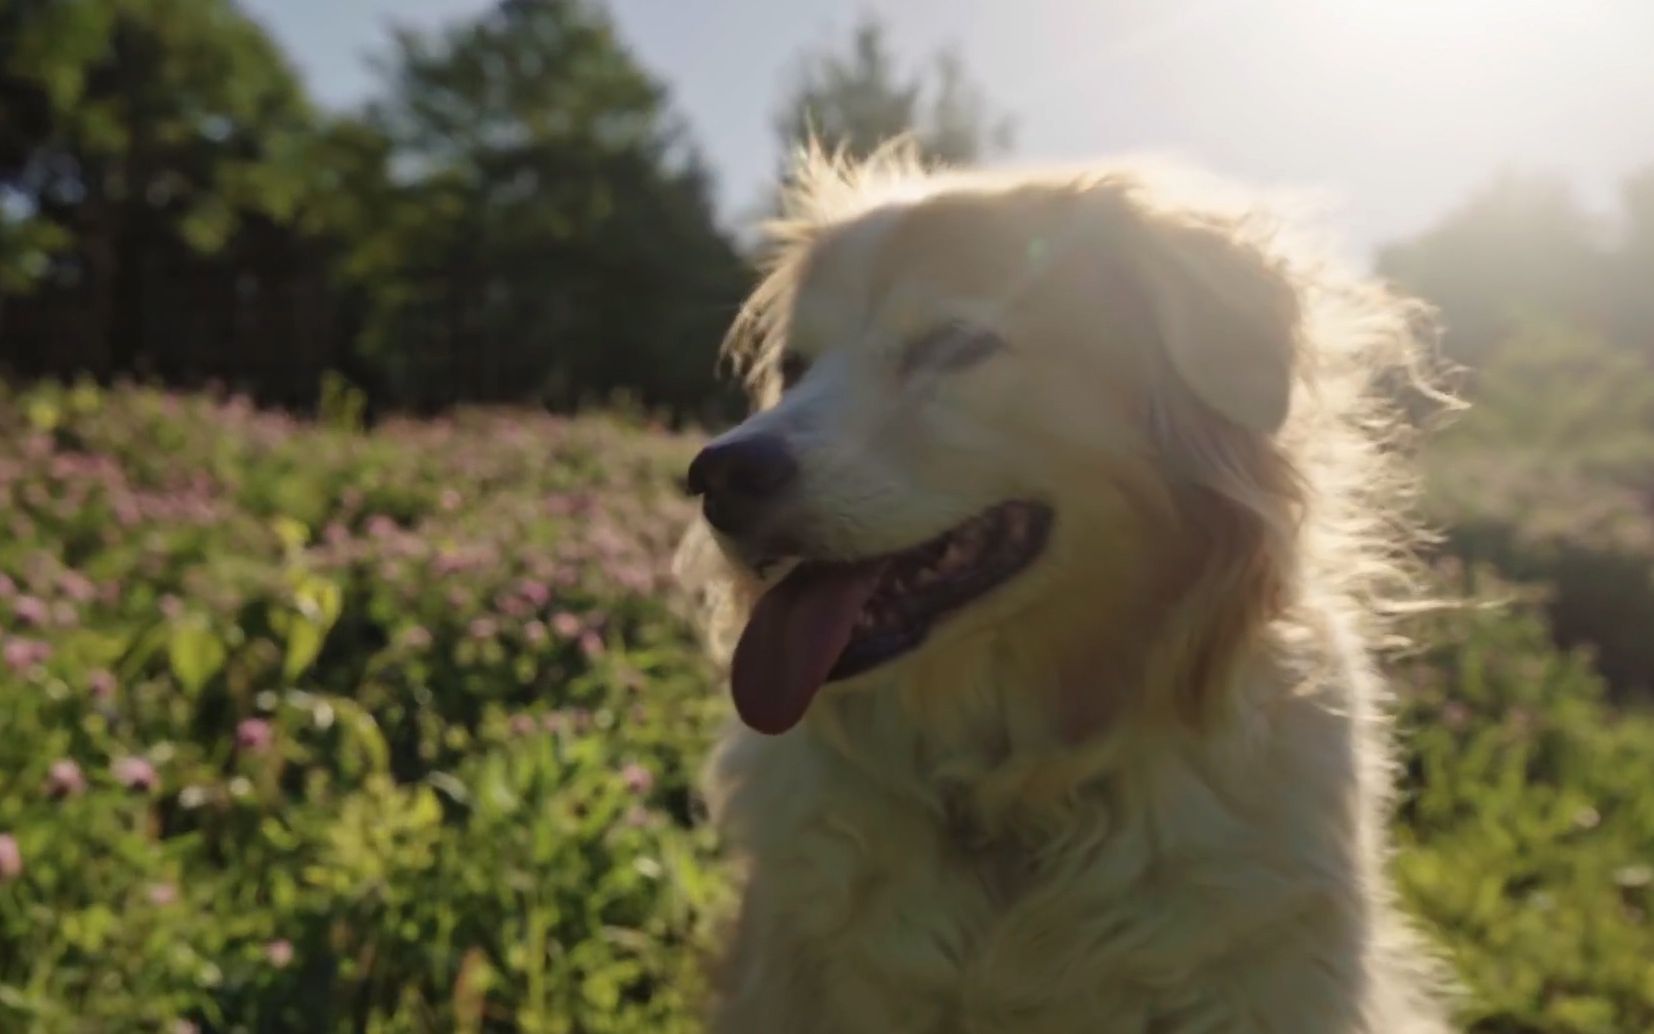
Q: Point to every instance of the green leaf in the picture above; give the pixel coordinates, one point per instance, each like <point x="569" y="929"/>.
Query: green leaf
<point x="316" y="604"/>
<point x="291" y="531"/>
<point x="304" y="643"/>
<point x="208" y="226"/>
<point x="194" y="652"/>
<point x="44" y="413"/>
<point x="365" y="744"/>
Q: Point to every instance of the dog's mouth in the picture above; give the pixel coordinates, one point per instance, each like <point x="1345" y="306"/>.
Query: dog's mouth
<point x="831" y="620"/>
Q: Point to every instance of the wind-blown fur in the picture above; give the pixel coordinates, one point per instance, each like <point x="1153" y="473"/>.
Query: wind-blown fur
<point x="1144" y="788"/>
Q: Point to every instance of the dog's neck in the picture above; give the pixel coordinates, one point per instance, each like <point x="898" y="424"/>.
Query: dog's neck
<point x="1000" y="741"/>
<point x="994" y="740"/>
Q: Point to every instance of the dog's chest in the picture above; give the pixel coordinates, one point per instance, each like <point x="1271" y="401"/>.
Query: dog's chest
<point x="1002" y="867"/>
<point x="966" y="940"/>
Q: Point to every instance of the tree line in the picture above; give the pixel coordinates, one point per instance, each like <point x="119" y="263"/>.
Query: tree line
<point x="517" y="213"/>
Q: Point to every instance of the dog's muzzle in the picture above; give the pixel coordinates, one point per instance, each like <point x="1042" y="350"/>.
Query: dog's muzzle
<point x="740" y="478"/>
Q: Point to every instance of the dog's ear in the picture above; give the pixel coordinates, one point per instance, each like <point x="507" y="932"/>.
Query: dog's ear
<point x="1228" y="320"/>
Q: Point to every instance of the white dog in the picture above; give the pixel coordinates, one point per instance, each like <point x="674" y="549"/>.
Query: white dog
<point x="1055" y="554"/>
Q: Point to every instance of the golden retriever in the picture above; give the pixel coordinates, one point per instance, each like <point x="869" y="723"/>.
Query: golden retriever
<point x="1049" y="569"/>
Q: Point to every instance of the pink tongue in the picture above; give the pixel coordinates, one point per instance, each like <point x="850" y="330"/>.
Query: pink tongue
<point x="792" y="640"/>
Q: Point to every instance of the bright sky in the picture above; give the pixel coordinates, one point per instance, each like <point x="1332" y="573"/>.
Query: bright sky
<point x="1394" y="109"/>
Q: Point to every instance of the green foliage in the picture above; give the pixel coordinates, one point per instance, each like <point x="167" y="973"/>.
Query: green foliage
<point x="165" y="122"/>
<point x="518" y="215"/>
<point x="550" y="234"/>
<point x="857" y="101"/>
<point x="1527" y="828"/>
<point x="1547" y="477"/>
<point x="311" y="729"/>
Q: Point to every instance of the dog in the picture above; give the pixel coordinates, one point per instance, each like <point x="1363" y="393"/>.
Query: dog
<point x="1049" y="571"/>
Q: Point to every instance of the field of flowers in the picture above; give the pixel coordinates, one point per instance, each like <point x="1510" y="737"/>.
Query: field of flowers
<point x="312" y="728"/>
<point x="308" y="729"/>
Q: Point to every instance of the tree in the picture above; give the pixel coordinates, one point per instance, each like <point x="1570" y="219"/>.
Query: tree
<point x="1633" y="302"/>
<point x="519" y="216"/>
<point x="859" y="100"/>
<point x="1520" y="249"/>
<point x="550" y="231"/>
<point x="141" y="135"/>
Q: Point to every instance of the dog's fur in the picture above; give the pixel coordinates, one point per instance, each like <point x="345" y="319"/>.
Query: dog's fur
<point x="1143" y="786"/>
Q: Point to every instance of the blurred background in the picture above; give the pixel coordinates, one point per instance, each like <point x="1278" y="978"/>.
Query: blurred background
<point x="349" y="352"/>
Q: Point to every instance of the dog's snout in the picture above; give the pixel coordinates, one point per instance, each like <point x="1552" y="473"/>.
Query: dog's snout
<point x="735" y="478"/>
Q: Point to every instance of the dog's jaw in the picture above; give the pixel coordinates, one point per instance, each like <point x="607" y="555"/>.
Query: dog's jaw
<point x="829" y="621"/>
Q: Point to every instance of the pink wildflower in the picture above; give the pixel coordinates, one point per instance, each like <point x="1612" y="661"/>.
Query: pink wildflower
<point x="279" y="953"/>
<point x="566" y="625"/>
<point x="23" y="654"/>
<point x="535" y="592"/>
<point x="77" y="586"/>
<point x="11" y="858"/>
<point x="65" y="779"/>
<point x="253" y="735"/>
<point x="591" y="644"/>
<point x="135" y="773"/>
<point x="638" y="780"/>
<point x="30" y="610"/>
<point x="101" y="684"/>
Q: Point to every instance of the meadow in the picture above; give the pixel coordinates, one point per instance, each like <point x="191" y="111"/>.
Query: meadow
<point x="311" y="727"/>
<point x="363" y="722"/>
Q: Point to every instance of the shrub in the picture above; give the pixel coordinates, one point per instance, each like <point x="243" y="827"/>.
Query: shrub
<point x="1527" y="827"/>
<point x="1547" y="478"/>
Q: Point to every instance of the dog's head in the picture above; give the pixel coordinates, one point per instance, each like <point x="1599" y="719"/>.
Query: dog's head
<point x="1040" y="407"/>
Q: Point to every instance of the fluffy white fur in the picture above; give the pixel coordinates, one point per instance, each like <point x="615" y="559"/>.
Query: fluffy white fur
<point x="1142" y="787"/>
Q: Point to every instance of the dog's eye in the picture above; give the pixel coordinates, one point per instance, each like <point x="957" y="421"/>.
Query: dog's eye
<point x="793" y="368"/>
<point x="952" y="346"/>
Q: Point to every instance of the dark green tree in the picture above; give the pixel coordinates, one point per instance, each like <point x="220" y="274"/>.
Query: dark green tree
<point x="140" y="139"/>
<point x="549" y="230"/>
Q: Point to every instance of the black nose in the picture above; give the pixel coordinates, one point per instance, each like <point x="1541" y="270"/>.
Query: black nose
<point x="738" y="476"/>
